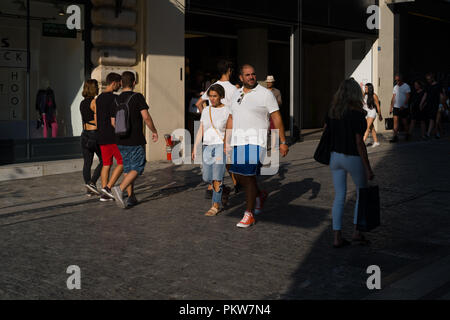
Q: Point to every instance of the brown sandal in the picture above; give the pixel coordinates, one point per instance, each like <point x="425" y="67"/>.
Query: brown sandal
<point x="213" y="211"/>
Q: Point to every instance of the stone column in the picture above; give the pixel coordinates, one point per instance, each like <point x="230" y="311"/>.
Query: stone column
<point x="114" y="39"/>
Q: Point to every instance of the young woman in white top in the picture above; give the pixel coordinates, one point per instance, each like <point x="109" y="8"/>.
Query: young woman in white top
<point x="212" y="129"/>
<point x="225" y="69"/>
<point x="372" y="107"/>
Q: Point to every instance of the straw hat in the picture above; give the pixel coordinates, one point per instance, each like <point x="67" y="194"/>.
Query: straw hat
<point x="270" y="79"/>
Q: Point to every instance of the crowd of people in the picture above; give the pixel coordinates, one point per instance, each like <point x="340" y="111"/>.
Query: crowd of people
<point x="350" y="121"/>
<point x="233" y="136"/>
<point x="426" y="104"/>
<point x="99" y="137"/>
<point x="230" y="125"/>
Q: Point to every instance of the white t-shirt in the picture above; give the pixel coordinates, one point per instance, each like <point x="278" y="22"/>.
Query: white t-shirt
<point x="251" y="116"/>
<point x="219" y="117"/>
<point x="230" y="90"/>
<point x="400" y="94"/>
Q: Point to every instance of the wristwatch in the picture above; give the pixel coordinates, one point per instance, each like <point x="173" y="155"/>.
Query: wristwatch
<point x="283" y="142"/>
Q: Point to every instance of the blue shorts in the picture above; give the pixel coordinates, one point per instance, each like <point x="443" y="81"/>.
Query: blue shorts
<point x="247" y="160"/>
<point x="133" y="158"/>
<point x="214" y="162"/>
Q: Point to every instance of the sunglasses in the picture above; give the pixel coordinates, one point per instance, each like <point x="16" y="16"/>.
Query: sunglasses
<point x="241" y="97"/>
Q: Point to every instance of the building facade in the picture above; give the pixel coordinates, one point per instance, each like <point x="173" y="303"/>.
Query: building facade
<point x="173" y="47"/>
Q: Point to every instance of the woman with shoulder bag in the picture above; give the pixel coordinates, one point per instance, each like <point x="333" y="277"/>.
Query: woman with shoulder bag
<point x="212" y="129"/>
<point x="347" y="124"/>
<point x="89" y="143"/>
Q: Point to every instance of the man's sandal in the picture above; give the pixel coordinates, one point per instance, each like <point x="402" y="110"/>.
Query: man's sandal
<point x="213" y="211"/>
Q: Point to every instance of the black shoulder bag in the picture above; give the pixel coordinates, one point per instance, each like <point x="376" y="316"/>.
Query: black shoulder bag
<point x="323" y="151"/>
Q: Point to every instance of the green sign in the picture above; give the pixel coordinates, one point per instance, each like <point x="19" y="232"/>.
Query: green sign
<point x="57" y="30"/>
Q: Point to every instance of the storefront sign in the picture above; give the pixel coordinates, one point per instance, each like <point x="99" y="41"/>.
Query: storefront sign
<point x="13" y="58"/>
<point x="12" y="89"/>
<point x="57" y="30"/>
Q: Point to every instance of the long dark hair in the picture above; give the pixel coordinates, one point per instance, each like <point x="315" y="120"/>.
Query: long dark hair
<point x="348" y="97"/>
<point x="370" y="99"/>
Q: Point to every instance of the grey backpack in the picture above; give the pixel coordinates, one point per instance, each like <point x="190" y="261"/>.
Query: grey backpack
<point x="123" y="117"/>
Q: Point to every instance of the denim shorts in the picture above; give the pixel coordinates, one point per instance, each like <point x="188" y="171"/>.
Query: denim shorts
<point x="133" y="158"/>
<point x="247" y="160"/>
<point x="214" y="162"/>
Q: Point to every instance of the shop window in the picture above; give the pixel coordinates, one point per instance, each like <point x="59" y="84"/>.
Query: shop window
<point x="39" y="100"/>
<point x="56" y="71"/>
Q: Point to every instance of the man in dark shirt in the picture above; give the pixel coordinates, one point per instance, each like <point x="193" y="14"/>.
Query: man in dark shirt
<point x="132" y="146"/>
<point x="107" y="137"/>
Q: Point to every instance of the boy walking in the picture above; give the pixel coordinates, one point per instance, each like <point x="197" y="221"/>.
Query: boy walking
<point x="132" y="145"/>
<point x="107" y="137"/>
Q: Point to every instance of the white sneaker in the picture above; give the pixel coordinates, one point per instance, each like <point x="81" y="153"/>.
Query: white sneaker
<point x="376" y="144"/>
<point x="118" y="196"/>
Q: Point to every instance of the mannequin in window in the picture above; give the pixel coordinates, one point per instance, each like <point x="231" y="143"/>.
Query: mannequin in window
<point x="46" y="107"/>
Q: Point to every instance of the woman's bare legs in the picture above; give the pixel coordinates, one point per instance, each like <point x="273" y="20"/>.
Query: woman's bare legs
<point x="369" y="129"/>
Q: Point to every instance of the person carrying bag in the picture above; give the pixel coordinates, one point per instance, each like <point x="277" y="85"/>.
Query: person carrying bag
<point x="343" y="138"/>
<point x="368" y="208"/>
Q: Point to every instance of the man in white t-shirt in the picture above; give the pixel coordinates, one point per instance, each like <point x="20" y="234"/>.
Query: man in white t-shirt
<point x="225" y="69"/>
<point x="399" y="106"/>
<point x="248" y="122"/>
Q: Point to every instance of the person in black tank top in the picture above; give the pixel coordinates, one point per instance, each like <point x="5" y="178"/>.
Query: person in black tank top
<point x="89" y="145"/>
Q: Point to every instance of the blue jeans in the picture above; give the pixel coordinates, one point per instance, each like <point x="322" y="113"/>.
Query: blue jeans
<point x="214" y="162"/>
<point x="340" y="165"/>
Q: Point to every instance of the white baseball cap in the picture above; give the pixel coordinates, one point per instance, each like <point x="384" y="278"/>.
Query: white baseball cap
<point x="270" y="79"/>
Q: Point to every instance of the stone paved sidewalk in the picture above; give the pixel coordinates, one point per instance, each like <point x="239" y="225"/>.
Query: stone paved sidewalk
<point x="165" y="248"/>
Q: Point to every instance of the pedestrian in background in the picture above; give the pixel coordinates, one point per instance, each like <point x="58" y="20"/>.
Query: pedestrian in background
<point x="89" y="139"/>
<point x="417" y="106"/>
<point x="399" y="106"/>
<point x="270" y="80"/>
<point x="372" y="107"/>
<point x="433" y="100"/>
<point x="347" y="124"/>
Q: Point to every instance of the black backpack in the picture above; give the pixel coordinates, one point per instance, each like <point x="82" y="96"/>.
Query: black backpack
<point x="123" y="117"/>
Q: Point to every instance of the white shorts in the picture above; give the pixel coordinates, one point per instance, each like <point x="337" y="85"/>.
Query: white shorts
<point x="371" y="113"/>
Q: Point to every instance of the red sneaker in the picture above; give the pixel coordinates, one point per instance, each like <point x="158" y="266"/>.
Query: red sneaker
<point x="247" y="221"/>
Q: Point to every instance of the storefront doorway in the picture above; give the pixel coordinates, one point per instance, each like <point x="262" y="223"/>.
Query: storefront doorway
<point x="211" y="38"/>
<point x="42" y="71"/>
